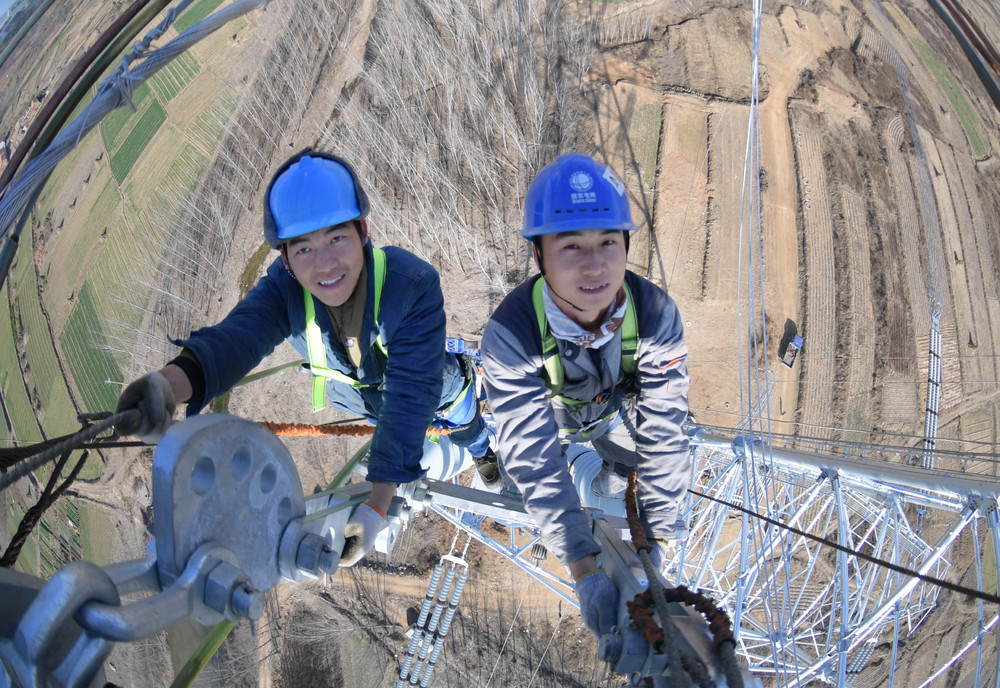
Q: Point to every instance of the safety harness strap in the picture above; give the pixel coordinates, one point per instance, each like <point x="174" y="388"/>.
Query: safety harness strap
<point x="314" y="340"/>
<point x="552" y="364"/>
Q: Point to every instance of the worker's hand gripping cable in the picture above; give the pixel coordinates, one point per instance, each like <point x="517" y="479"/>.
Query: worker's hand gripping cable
<point x="152" y="396"/>
<point x="364" y="526"/>
<point x="598" y="597"/>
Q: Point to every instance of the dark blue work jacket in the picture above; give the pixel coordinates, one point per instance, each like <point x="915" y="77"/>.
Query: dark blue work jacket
<point x="401" y="392"/>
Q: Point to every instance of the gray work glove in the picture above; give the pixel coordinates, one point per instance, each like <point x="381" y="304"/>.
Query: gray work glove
<point x="152" y="396"/>
<point x="365" y="523"/>
<point x="598" y="597"/>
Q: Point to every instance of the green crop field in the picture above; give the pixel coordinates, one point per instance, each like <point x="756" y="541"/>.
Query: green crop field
<point x="22" y="417"/>
<point x="114" y="127"/>
<point x="195" y="12"/>
<point x="132" y="147"/>
<point x="76" y="247"/>
<point x="44" y="376"/>
<point x="116" y="286"/>
<point x="174" y="76"/>
<point x="59" y="414"/>
<point x="207" y="128"/>
<point x="966" y="115"/>
<point x="44" y="368"/>
<point x="170" y="170"/>
<point x="15" y="397"/>
<point x="98" y="525"/>
<point x="90" y="363"/>
<point x="644" y="133"/>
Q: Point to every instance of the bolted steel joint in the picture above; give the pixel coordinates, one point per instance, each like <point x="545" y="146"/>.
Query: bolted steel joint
<point x="228" y="592"/>
<point x="315" y="555"/>
<point x="247" y="602"/>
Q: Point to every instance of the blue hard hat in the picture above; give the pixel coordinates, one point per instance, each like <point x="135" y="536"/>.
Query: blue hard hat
<point x="575" y="192"/>
<point x="311" y="191"/>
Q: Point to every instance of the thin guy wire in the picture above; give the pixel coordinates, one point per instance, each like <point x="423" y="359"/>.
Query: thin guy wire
<point x="510" y="630"/>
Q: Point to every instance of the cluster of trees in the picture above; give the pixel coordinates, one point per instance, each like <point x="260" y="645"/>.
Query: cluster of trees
<point x="458" y="104"/>
<point x="335" y="637"/>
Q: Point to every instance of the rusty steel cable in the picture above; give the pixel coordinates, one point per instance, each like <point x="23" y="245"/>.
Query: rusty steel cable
<point x="67" y="444"/>
<point x="658" y="596"/>
<point x="47" y="450"/>
<point x="665" y="632"/>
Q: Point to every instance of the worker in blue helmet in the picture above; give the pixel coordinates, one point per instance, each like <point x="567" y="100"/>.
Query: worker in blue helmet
<point x="588" y="352"/>
<point x="370" y="322"/>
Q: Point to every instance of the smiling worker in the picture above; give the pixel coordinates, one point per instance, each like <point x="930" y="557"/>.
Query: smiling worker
<point x="588" y="351"/>
<point x="371" y="323"/>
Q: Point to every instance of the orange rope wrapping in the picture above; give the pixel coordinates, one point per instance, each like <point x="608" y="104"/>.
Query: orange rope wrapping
<point x="353" y="430"/>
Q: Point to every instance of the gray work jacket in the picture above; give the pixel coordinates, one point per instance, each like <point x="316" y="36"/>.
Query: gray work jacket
<point x="529" y="421"/>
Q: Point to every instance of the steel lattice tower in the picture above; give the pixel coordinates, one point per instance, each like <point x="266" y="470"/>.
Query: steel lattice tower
<point x="805" y="611"/>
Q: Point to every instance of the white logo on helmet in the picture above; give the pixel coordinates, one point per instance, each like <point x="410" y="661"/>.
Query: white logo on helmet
<point x="581" y="183"/>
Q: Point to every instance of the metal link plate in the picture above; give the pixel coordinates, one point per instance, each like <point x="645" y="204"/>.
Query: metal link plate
<point x="228" y="481"/>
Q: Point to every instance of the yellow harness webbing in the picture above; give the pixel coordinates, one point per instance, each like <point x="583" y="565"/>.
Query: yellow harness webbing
<point x="314" y="339"/>
<point x="551" y="362"/>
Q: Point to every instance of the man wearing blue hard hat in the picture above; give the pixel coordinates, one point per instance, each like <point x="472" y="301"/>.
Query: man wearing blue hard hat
<point x="588" y="351"/>
<point x="371" y="323"/>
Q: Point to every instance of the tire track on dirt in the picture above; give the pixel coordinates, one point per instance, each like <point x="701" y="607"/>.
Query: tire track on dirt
<point x="910" y="224"/>
<point x="986" y="333"/>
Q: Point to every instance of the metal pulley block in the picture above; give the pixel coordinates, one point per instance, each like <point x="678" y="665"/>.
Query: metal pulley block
<point x="230" y="483"/>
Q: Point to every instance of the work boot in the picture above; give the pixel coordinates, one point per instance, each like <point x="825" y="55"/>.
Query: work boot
<point x="488" y="467"/>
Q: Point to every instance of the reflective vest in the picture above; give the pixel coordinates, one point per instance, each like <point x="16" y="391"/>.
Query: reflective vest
<point x="314" y="340"/>
<point x="552" y="364"/>
<point x="459" y="412"/>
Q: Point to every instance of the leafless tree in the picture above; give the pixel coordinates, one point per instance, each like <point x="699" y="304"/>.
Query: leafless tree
<point x="453" y="114"/>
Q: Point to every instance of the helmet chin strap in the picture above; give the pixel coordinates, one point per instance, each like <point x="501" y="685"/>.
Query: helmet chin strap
<point x="575" y="307"/>
<point x="284" y="259"/>
<point x="536" y="246"/>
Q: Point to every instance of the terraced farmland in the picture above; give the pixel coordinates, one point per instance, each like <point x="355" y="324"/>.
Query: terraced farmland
<point x="859" y="359"/>
<point x="138" y="138"/>
<point x="819" y="324"/>
<point x="174" y="76"/>
<point x="90" y="363"/>
<point x="118" y="124"/>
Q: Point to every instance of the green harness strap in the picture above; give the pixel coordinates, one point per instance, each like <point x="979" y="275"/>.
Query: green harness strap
<point x="550" y="352"/>
<point x="314" y="340"/>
